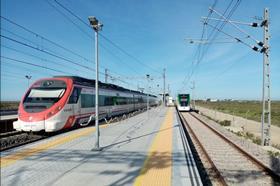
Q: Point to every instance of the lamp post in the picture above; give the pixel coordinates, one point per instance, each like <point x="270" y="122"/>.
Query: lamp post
<point x="148" y="77"/>
<point x="97" y="26"/>
<point x="28" y="79"/>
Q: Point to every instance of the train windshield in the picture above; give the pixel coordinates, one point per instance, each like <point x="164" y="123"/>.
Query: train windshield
<point x="43" y="95"/>
<point x="184" y="99"/>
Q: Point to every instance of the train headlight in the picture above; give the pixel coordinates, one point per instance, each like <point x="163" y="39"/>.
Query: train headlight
<point x="50" y="114"/>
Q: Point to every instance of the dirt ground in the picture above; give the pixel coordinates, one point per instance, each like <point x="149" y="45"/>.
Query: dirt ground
<point x="240" y="124"/>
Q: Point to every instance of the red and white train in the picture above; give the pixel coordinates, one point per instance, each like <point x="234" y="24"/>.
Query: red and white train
<point x="61" y="102"/>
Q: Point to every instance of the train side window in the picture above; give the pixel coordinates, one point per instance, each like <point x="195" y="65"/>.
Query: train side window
<point x="75" y="95"/>
<point x="87" y="100"/>
<point x="101" y="100"/>
<point x="108" y="101"/>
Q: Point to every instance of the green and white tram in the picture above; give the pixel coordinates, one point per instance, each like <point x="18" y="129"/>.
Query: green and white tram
<point x="183" y="102"/>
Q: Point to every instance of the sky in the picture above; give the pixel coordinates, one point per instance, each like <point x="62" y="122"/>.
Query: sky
<point x="139" y="38"/>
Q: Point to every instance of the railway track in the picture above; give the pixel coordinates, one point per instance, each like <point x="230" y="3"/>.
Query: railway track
<point x="225" y="162"/>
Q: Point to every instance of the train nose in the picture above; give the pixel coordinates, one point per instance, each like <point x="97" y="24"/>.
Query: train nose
<point x="29" y="126"/>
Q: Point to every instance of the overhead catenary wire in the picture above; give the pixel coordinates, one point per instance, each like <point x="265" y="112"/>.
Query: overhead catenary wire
<point x="34" y="56"/>
<point x="15" y="68"/>
<point x="202" y="50"/>
<point x="54" y="55"/>
<point x="236" y="38"/>
<point x="28" y="40"/>
<point x="11" y="78"/>
<point x="34" y="43"/>
<point x="84" y="32"/>
<point x="206" y="41"/>
<point x="10" y="70"/>
<point x="32" y="64"/>
<point x="48" y="68"/>
<point x="44" y="38"/>
<point x="65" y="16"/>
<point x="253" y="24"/>
<point x="237" y="27"/>
<point x="11" y="74"/>
<point x="46" y="52"/>
<point x="16" y="35"/>
<point x="35" y="65"/>
<point x="117" y="57"/>
<point x="213" y="34"/>
<point x="198" y="51"/>
<point x="106" y="38"/>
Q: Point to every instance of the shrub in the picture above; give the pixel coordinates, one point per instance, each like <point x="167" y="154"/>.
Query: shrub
<point x="275" y="154"/>
<point x="225" y="123"/>
<point x="257" y="140"/>
<point x="249" y="135"/>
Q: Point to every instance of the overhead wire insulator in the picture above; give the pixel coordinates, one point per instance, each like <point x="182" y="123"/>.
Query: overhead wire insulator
<point x="263" y="50"/>
<point x="264" y="23"/>
<point x="255" y="48"/>
<point x="260" y="43"/>
<point x="237" y="39"/>
<point x="254" y="24"/>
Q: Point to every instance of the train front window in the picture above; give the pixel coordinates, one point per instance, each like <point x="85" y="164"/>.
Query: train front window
<point x="184" y="100"/>
<point x="184" y="103"/>
<point x="43" y="95"/>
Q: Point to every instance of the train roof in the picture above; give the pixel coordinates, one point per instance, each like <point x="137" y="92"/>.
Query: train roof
<point x="183" y="94"/>
<point x="91" y="82"/>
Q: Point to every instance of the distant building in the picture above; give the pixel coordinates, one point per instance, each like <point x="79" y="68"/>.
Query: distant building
<point x="211" y="100"/>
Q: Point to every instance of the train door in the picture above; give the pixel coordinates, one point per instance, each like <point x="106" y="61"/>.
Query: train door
<point x="110" y="104"/>
<point x="74" y="100"/>
<point x="133" y="102"/>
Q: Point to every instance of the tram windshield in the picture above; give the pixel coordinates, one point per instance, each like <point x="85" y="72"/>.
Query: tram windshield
<point x="184" y="99"/>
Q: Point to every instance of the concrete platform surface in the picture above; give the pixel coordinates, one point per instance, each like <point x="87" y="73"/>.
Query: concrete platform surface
<point x="8" y="117"/>
<point x="146" y="149"/>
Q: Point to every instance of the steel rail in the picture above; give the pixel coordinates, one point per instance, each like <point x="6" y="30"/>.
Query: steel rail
<point x="217" y="175"/>
<point x="191" y="160"/>
<point x="254" y="160"/>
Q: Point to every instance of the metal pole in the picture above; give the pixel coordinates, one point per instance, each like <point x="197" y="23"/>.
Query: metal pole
<point x="148" y="76"/>
<point x="28" y="80"/>
<point x="97" y="26"/>
<point x="193" y="95"/>
<point x="168" y="90"/>
<point x="266" y="109"/>
<point x="164" y="87"/>
<point x="106" y="75"/>
<point x="96" y="92"/>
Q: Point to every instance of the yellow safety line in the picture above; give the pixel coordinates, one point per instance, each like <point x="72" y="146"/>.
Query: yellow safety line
<point x="157" y="168"/>
<point x="13" y="158"/>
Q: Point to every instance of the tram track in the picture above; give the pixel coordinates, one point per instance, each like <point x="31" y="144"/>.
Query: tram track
<point x="226" y="162"/>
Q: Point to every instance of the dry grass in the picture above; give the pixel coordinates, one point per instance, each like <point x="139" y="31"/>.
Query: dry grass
<point x="250" y="109"/>
<point x="9" y="105"/>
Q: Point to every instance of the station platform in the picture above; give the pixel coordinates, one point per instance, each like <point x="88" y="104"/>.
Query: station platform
<point x="8" y="117"/>
<point x="146" y="149"/>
